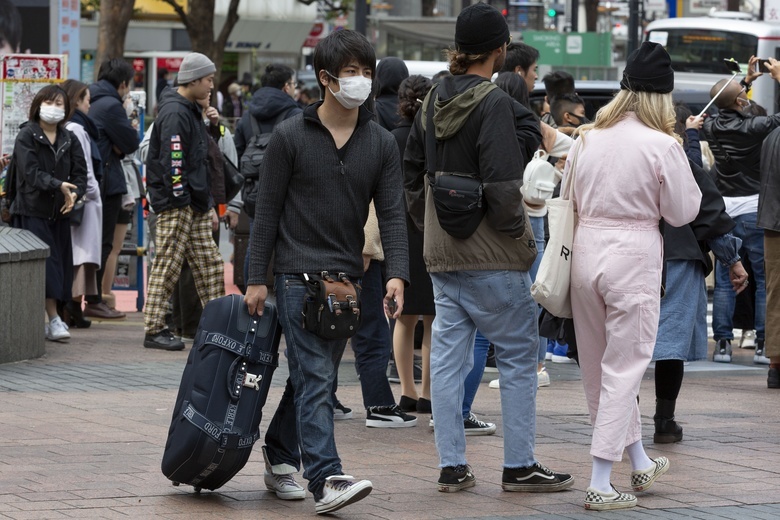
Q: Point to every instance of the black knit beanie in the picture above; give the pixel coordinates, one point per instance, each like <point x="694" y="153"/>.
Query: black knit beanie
<point x="480" y="28"/>
<point x="648" y="69"/>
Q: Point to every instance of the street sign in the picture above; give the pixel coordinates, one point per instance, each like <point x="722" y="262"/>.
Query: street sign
<point x="573" y="49"/>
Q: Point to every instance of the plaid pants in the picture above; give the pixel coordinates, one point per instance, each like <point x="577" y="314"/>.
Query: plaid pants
<point x="182" y="233"/>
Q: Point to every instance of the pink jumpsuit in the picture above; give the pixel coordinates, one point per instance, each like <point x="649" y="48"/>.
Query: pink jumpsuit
<point x="626" y="178"/>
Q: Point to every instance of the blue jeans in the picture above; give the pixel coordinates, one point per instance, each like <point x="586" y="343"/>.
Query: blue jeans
<point x="499" y="303"/>
<point x="474" y="378"/>
<point x="537" y="224"/>
<point x="281" y="438"/>
<point x="313" y="363"/>
<point x="371" y="344"/>
<point x="724" y="298"/>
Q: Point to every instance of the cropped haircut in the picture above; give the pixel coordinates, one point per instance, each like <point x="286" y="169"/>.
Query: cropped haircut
<point x="515" y="86"/>
<point x="277" y="75"/>
<point x="116" y="71"/>
<point x="521" y="55"/>
<point x="654" y="109"/>
<point x="76" y="90"/>
<point x="338" y="49"/>
<point x="411" y="92"/>
<point x="564" y="103"/>
<point x="48" y="93"/>
<point x="10" y="25"/>
<point x="558" y="83"/>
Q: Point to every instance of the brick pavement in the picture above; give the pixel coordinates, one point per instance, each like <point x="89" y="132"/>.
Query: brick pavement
<point x="82" y="432"/>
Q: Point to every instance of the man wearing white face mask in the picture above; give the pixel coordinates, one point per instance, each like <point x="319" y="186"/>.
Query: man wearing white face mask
<point x="320" y="171"/>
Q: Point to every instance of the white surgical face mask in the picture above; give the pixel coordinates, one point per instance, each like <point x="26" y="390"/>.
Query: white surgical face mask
<point x="52" y="114"/>
<point x="353" y="92"/>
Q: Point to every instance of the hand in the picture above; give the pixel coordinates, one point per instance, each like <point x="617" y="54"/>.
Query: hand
<point x="753" y="71"/>
<point x="255" y="298"/>
<point x="212" y="114"/>
<point x="231" y="218"/>
<point x="214" y="220"/>
<point x="366" y="262"/>
<point x="561" y="164"/>
<point x="69" y="191"/>
<point x="738" y="277"/>
<point x="694" y="122"/>
<point x="774" y="69"/>
<point x="395" y="292"/>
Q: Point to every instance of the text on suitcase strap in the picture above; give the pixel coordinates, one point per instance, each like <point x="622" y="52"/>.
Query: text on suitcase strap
<point x="226" y="439"/>
<point x="248" y="351"/>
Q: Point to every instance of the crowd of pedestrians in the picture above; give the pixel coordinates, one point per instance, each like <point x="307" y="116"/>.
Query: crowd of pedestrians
<point x="352" y="178"/>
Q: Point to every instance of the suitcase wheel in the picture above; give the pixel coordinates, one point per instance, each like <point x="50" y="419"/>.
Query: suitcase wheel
<point x="197" y="489"/>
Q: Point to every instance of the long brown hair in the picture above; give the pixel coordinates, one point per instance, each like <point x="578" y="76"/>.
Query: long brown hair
<point x="76" y="91"/>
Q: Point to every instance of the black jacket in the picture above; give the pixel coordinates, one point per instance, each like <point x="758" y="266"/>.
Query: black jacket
<point x="390" y="72"/>
<point x="689" y="242"/>
<point x="769" y="196"/>
<point x="177" y="173"/>
<point x="268" y="105"/>
<point x="737" y="159"/>
<point x="116" y="133"/>
<point x="41" y="168"/>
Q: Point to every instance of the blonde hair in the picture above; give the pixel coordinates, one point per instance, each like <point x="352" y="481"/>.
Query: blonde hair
<point x="652" y="108"/>
<point x="460" y="61"/>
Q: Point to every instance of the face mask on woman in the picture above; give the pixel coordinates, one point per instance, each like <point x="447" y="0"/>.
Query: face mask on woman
<point x="353" y="92"/>
<point x="52" y="114"/>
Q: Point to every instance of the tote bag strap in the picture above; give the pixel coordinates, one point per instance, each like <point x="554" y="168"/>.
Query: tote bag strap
<point x="566" y="188"/>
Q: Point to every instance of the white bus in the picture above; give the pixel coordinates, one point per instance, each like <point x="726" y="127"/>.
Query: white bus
<point x="698" y="47"/>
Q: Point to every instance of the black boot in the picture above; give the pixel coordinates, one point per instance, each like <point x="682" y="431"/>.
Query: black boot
<point x="76" y="316"/>
<point x="667" y="430"/>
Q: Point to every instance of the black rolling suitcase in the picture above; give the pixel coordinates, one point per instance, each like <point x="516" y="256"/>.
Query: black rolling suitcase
<point x="225" y="384"/>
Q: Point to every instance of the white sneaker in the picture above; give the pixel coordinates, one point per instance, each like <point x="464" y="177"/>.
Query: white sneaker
<point x="57" y="330"/>
<point x="494" y="384"/>
<point x="283" y="484"/>
<point x="542" y="378"/>
<point x="340" y="491"/>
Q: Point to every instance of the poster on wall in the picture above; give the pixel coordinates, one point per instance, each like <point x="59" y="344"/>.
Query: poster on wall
<point x="21" y="77"/>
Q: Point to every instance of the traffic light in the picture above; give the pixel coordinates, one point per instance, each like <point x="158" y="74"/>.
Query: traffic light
<point x="555" y="10"/>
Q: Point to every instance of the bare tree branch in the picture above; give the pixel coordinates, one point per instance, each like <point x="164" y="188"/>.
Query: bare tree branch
<point x="230" y="22"/>
<point x="185" y="19"/>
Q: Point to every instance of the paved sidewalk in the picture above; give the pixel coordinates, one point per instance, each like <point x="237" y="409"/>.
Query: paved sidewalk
<point x="82" y="432"/>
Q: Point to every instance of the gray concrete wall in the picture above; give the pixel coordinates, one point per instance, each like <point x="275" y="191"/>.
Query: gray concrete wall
<point x="22" y="295"/>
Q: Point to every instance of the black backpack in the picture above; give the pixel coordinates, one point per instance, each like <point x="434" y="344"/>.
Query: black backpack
<point x="252" y="161"/>
<point x="7" y="198"/>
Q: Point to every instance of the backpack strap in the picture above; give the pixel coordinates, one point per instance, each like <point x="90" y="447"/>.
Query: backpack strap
<point x="430" y="138"/>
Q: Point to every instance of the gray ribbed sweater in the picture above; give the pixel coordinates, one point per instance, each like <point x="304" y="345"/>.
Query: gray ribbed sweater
<point x="311" y="207"/>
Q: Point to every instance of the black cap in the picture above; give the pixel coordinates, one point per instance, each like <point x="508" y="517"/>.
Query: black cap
<point x="648" y="69"/>
<point x="480" y="28"/>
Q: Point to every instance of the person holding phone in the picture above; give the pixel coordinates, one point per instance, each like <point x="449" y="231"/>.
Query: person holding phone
<point x="51" y="174"/>
<point x="736" y="140"/>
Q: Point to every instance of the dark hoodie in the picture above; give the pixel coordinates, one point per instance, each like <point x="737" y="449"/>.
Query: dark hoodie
<point x="269" y="106"/>
<point x="116" y="133"/>
<point x="177" y="173"/>
<point x="390" y="72"/>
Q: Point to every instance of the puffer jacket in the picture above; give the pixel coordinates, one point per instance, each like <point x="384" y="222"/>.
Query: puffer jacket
<point x="738" y="157"/>
<point x="42" y="167"/>
<point x="475" y="128"/>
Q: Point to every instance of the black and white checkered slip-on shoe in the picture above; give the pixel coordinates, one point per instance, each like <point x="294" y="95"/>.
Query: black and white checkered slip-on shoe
<point x="641" y="480"/>
<point x="595" y="500"/>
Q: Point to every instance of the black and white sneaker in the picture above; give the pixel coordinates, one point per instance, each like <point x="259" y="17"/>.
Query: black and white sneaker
<point x="340" y="491"/>
<point x="760" y="357"/>
<point x="388" y="417"/>
<point x="455" y="478"/>
<point x="392" y="371"/>
<point x="722" y="352"/>
<point x="535" y="479"/>
<point x="341" y="412"/>
<point x="490" y="362"/>
<point x="474" y="426"/>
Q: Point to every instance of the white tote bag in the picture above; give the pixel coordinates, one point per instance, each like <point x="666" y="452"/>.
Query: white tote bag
<point x="552" y="287"/>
